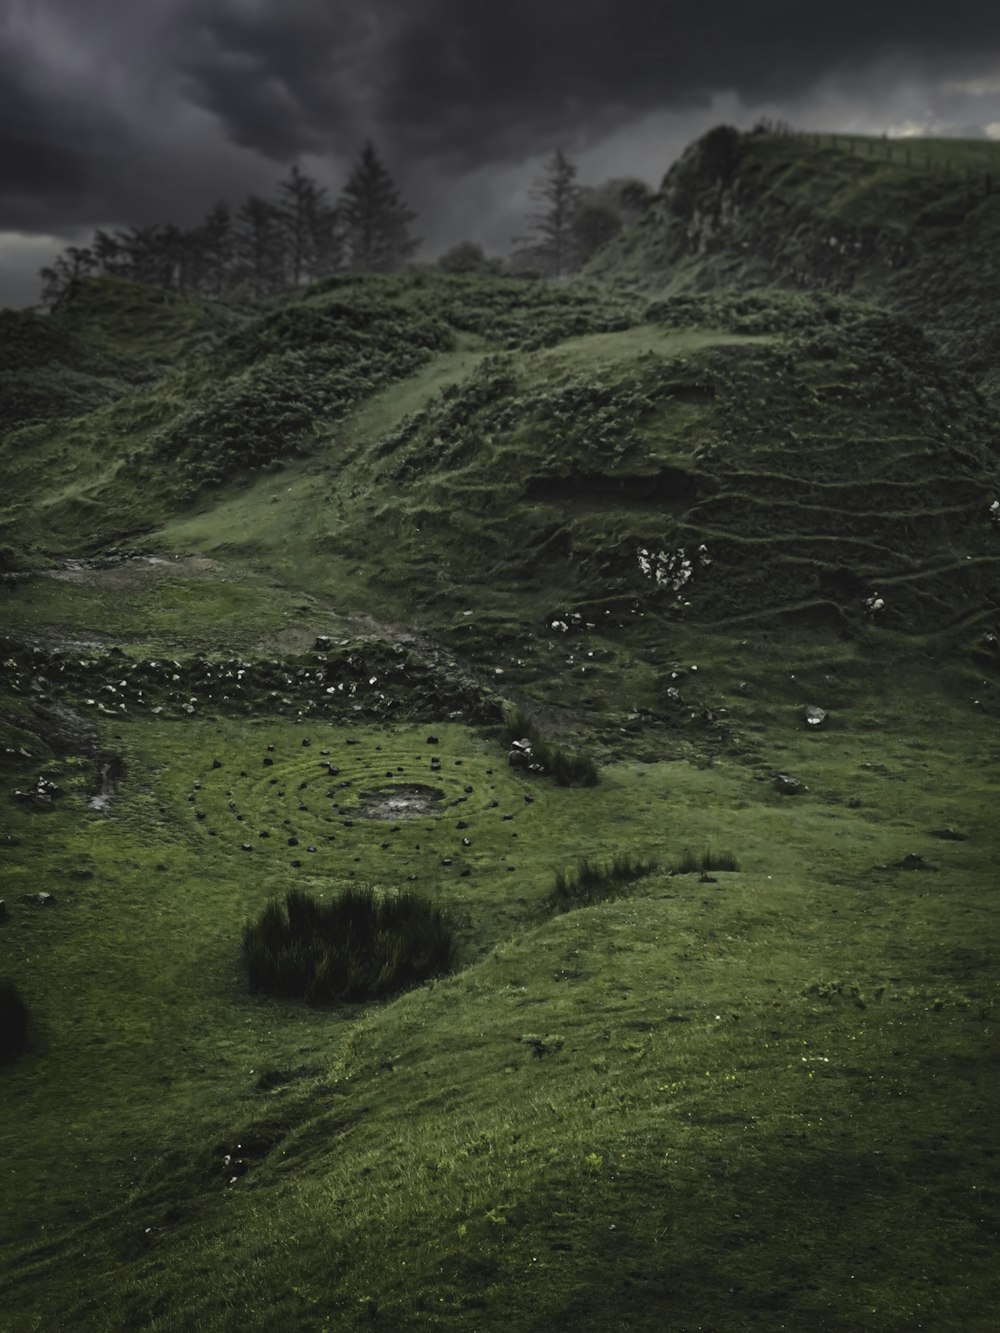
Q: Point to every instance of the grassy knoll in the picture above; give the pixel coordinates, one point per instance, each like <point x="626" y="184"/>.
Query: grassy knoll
<point x="712" y="1047"/>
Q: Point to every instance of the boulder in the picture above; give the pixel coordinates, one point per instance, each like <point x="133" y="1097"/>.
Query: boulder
<point x="815" y="716"/>
<point x="518" y="758"/>
<point x="787" y="785"/>
<point x="41" y="899"/>
<point x="323" y="643"/>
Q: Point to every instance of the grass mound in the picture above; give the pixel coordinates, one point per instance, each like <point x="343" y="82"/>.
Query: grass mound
<point x="13" y="1022"/>
<point x="593" y="882"/>
<point x="691" y="864"/>
<point x="360" y="946"/>
<point x="567" y="767"/>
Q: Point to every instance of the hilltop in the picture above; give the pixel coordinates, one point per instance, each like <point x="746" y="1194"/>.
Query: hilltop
<point x="714" y="527"/>
<point x="913" y="225"/>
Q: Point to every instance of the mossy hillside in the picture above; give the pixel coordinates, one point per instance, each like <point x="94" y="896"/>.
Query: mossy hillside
<point x="833" y="212"/>
<point x="728" y="1041"/>
<point x="244" y="393"/>
<point x="856" y="465"/>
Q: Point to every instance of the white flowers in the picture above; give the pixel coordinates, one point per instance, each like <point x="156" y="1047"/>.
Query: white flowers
<point x="672" y="569"/>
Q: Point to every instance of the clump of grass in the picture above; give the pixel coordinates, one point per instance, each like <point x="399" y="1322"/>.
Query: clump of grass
<point x="361" y="945"/>
<point x="690" y="864"/>
<point x="593" y="882"/>
<point x="568" y="767"/>
<point x="13" y="1022"/>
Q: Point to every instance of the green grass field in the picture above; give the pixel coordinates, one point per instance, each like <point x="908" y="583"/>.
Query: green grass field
<point x="432" y="512"/>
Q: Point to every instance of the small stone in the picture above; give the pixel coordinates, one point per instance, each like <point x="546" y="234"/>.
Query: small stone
<point x="814" y="716"/>
<point x="306" y="740"/>
<point x="432" y="740"/>
<point x="461" y="824"/>
<point x="216" y="763"/>
<point x="267" y="761"/>
<point x="246" y="847"/>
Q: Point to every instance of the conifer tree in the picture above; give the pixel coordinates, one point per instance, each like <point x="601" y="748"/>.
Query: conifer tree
<point x="376" y="221"/>
<point x="259" y="248"/>
<point x="557" y="196"/>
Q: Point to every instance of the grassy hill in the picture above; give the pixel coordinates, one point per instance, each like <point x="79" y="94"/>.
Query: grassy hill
<point x="283" y="585"/>
<point x="914" y="225"/>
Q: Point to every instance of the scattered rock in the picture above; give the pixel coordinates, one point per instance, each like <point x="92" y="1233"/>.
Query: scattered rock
<point x="787" y="785"/>
<point x="323" y="643"/>
<point x="216" y="763"/>
<point x="42" y="899"/>
<point x="518" y="758"/>
<point x="911" y="861"/>
<point x="3" y="909"/>
<point x="814" y="716"/>
<point x="432" y="740"/>
<point x="949" y="835"/>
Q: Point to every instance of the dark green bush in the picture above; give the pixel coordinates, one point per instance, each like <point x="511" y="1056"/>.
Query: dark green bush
<point x="592" y="883"/>
<point x="690" y="864"/>
<point x="569" y="769"/>
<point x="362" y="945"/>
<point x="13" y="1022"/>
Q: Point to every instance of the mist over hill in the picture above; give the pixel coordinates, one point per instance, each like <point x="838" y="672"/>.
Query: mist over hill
<point x="645" y="622"/>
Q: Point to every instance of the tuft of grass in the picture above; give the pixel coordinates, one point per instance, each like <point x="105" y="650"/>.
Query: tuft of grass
<point x="594" y="882"/>
<point x="360" y="946"/>
<point x="568" y="767"/>
<point x="13" y="1022"/>
<point x="691" y="864"/>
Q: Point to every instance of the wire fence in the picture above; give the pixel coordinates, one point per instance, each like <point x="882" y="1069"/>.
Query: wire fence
<point x="974" y="162"/>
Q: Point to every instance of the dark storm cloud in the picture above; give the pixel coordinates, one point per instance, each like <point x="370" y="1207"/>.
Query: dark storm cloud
<point x="283" y="78"/>
<point x="464" y="78"/>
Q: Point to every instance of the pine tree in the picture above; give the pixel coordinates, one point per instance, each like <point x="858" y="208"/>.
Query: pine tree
<point x="557" y="195"/>
<point x="260" y="257"/>
<point x="217" y="242"/>
<point x="300" y="200"/>
<point x="60" y="280"/>
<point x="375" y="219"/>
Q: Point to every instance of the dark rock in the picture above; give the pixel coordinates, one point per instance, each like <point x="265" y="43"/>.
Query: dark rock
<point x="949" y="834"/>
<point x="432" y="740"/>
<point x="814" y="716"/>
<point x="216" y="763"/>
<point x="293" y="842"/>
<point x="267" y="762"/>
<point x="306" y="740"/>
<point x="323" y="643"/>
<point x="505" y="817"/>
<point x="528" y="800"/>
<point x="787" y="785"/>
<point x="518" y="758"/>
<point x="467" y="790"/>
<point x="246" y="847"/>
<point x="912" y="861"/>
<point x="446" y="860"/>
<point x="296" y="865"/>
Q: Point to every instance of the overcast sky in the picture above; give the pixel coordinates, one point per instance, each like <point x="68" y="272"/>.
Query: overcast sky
<point x="127" y="112"/>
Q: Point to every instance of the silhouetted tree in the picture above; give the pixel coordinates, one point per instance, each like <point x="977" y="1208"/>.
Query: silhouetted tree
<point x="556" y="193"/>
<point x="59" y="279"/>
<point x="468" y="257"/>
<point x="375" y="219"/>
<point x="259" y="248"/>
<point x="216" y="242"/>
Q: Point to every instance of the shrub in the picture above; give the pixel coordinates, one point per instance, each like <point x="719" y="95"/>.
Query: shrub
<point x="13" y="1022"/>
<point x="359" y="946"/>
<point x="690" y="864"/>
<point x="593" y="883"/>
<point x="569" y="769"/>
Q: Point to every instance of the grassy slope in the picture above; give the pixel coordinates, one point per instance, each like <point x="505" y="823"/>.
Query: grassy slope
<point x="914" y="226"/>
<point x="722" y="1068"/>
